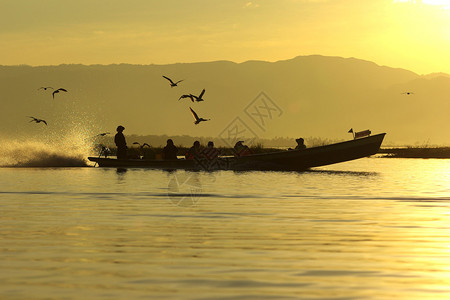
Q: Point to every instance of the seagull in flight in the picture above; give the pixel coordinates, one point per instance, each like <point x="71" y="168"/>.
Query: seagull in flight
<point x="103" y="134"/>
<point x="187" y="96"/>
<point x="141" y="146"/>
<point x="45" y="88"/>
<point x="408" y="93"/>
<point x="199" y="97"/>
<point x="57" y="91"/>
<point x="37" y="120"/>
<point x="197" y="119"/>
<point x="172" y="84"/>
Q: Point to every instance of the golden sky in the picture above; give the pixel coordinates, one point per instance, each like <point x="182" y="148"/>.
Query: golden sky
<point x="408" y="34"/>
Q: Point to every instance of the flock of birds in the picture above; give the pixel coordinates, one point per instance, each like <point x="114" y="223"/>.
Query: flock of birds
<point x="54" y="92"/>
<point x="193" y="98"/>
<point x="37" y="120"/>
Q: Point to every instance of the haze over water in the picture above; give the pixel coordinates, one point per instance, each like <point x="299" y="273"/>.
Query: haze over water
<point x="375" y="228"/>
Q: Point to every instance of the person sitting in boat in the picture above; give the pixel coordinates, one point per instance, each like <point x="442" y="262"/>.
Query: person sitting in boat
<point x="193" y="152"/>
<point x="300" y="144"/>
<point x="170" y="150"/>
<point x="121" y="143"/>
<point x="210" y="156"/>
<point x="210" y="152"/>
<point x="148" y="153"/>
<point x="241" y="150"/>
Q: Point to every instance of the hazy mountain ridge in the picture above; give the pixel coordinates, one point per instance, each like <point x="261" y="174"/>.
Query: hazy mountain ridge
<point x="319" y="96"/>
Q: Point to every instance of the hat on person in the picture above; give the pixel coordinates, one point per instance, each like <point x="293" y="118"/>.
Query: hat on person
<point x="120" y="128"/>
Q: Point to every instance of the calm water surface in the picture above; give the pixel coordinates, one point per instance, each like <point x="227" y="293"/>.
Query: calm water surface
<point x="375" y="228"/>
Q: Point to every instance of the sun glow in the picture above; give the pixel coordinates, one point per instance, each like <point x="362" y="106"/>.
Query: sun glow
<point x="437" y="2"/>
<point x="445" y="4"/>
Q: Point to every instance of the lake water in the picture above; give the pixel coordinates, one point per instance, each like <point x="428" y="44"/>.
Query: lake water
<point x="375" y="228"/>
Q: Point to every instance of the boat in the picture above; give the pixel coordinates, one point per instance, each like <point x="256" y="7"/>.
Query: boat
<point x="287" y="160"/>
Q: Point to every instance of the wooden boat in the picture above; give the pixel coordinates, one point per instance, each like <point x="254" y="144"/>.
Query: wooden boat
<point x="289" y="160"/>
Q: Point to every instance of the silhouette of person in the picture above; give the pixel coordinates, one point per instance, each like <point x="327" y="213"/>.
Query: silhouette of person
<point x="121" y="144"/>
<point x="300" y="144"/>
<point x="170" y="150"/>
<point x="209" y="157"/>
<point x="210" y="152"/>
<point x="194" y="151"/>
<point x="241" y="150"/>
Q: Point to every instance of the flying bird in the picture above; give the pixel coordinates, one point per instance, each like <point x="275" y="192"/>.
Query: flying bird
<point x="37" y="120"/>
<point x="141" y="146"/>
<point x="408" y="93"/>
<point x="199" y="97"/>
<point x="45" y="88"/>
<point x="103" y="134"/>
<point x="197" y="119"/>
<point x="57" y="91"/>
<point x="187" y="96"/>
<point x="172" y="84"/>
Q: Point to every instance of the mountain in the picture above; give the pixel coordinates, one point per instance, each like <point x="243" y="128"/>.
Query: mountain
<point x="306" y="96"/>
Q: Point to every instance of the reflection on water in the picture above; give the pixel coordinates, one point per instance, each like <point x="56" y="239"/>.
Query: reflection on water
<point x="369" y="229"/>
<point x="121" y="172"/>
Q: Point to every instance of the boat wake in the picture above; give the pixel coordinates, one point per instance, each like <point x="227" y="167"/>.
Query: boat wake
<point x="66" y="152"/>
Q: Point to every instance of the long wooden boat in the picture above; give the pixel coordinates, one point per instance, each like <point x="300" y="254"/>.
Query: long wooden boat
<point x="295" y="160"/>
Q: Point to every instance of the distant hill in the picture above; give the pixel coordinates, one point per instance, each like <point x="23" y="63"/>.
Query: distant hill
<point x="434" y="75"/>
<point x="306" y="96"/>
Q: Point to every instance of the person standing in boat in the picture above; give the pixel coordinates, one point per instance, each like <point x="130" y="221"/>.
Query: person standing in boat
<point x="121" y="143"/>
<point x="170" y="150"/>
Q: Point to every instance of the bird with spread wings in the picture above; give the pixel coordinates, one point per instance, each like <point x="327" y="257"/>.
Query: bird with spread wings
<point x="37" y="120"/>
<point x="141" y="146"/>
<point x="45" y="88"/>
<point x="196" y="117"/>
<point x="57" y="91"/>
<point x="172" y="84"/>
<point x="193" y="97"/>
<point x="190" y="96"/>
<point x="199" y="97"/>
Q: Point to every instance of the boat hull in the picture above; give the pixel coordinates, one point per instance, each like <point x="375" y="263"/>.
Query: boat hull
<point x="295" y="160"/>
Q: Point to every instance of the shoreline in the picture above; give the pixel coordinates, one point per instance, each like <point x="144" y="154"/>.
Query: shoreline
<point x="416" y="152"/>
